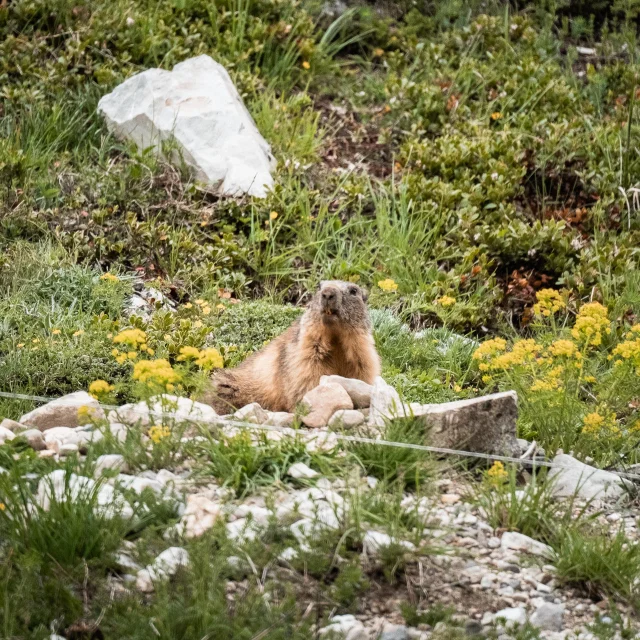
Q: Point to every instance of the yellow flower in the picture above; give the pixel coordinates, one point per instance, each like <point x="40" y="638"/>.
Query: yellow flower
<point x="150" y="351"/>
<point x="109" y="277"/>
<point x="132" y="338"/>
<point x="100" y="387"/>
<point x="378" y="53"/>
<point x="200" y="301"/>
<point x="210" y="359"/>
<point x="206" y="310"/>
<point x="2" y="506"/>
<point x="388" y="285"/>
<point x="591" y="323"/>
<point x="79" y="332"/>
<point x="306" y="65"/>
<point x="166" y="337"/>
<point x="496" y="115"/>
<point x="121" y="358"/>
<point x="188" y="305"/>
<point x="155" y="372"/>
<point x="221" y="307"/>
<point x="598" y="425"/>
<point x="132" y="355"/>
<point x="548" y="302"/>
<point x="197" y="324"/>
<point x="56" y="332"/>
<point x="158" y="433"/>
<point x="273" y="215"/>
<point x="20" y="345"/>
<point x="86" y="414"/>
<point x="188" y="353"/>
<point x="564" y="348"/>
<point x="35" y="340"/>
<point x="457" y="388"/>
<point x="497" y="474"/>
<point x="489" y="348"/>
<point x="446" y="301"/>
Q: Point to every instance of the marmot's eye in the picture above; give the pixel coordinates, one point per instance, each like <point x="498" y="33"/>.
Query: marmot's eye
<point x="353" y="291"/>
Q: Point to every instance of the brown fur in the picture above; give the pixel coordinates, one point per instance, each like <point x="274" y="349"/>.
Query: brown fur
<point x="332" y="337"/>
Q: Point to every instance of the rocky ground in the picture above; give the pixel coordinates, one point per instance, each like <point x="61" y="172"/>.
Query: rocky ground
<point x="478" y="579"/>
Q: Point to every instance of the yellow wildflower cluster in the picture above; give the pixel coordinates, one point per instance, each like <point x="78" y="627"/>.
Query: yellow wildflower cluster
<point x="551" y="381"/>
<point x="446" y="301"/>
<point x="388" y="285"/>
<point x="132" y="341"/>
<point x="497" y="474"/>
<point x="210" y="359"/>
<point x="548" y="302"/>
<point x="591" y="323"/>
<point x="158" y="433"/>
<point x="206" y="359"/>
<point x="629" y="349"/>
<point x="109" y="277"/>
<point x="490" y="348"/>
<point x="100" y="388"/>
<point x="204" y="306"/>
<point x="188" y="353"/>
<point x="522" y="352"/>
<point x="87" y="414"/>
<point x="157" y="373"/>
<point x="598" y="425"/>
<point x="564" y="349"/>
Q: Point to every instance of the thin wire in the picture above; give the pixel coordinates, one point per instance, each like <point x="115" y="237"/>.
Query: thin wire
<point x="339" y="436"/>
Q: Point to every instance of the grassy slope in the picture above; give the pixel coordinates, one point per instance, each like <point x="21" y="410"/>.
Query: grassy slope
<point x="478" y="157"/>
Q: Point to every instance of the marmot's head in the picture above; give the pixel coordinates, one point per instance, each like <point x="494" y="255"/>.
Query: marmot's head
<point x="337" y="301"/>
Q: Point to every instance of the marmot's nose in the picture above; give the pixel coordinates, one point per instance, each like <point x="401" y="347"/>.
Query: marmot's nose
<point x="329" y="295"/>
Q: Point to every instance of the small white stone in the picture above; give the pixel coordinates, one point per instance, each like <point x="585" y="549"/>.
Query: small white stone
<point x="373" y="541"/>
<point x="512" y="540"/>
<point x="347" y="418"/>
<point x="110" y="462"/>
<point x="252" y="413"/>
<point x="301" y="470"/>
<point x="512" y="615"/>
<point x="6" y="435"/>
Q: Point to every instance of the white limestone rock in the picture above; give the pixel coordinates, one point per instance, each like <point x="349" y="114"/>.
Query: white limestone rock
<point x="252" y="413"/>
<point x="63" y="412"/>
<point x="197" y="107"/>
<point x="514" y="541"/>
<point x="345" y="627"/>
<point x="347" y="418"/>
<point x="587" y="482"/>
<point x="301" y="470"/>
<point x="385" y="404"/>
<point x="6" y="435"/>
<point x="322" y="402"/>
<point x="163" y="567"/>
<point x="147" y="413"/>
<point x="358" y="390"/>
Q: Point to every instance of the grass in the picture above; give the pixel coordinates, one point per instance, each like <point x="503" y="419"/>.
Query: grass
<point x="602" y="565"/>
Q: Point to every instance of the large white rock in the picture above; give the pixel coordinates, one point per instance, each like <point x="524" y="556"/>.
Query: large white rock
<point x="577" y="478"/>
<point x="198" y="108"/>
<point x="62" y="412"/>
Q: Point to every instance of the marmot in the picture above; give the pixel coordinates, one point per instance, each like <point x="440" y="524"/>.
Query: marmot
<point x="333" y="336"/>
